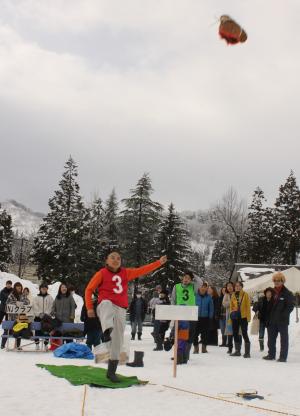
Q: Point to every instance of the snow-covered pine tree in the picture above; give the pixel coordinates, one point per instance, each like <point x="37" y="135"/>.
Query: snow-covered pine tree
<point x="287" y="220"/>
<point x="96" y="243"/>
<point x="111" y="225"/>
<point x="139" y="223"/>
<point x="6" y="240"/>
<point x="174" y="241"/>
<point x="197" y="263"/>
<point x="60" y="248"/>
<point x="224" y="251"/>
<point x="256" y="246"/>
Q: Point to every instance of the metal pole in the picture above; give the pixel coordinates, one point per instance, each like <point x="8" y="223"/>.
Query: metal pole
<point x="175" y="349"/>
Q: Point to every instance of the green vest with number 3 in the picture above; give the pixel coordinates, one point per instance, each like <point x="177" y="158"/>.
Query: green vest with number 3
<point x="185" y="295"/>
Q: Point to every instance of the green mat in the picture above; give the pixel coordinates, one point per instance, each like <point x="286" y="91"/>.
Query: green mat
<point x="96" y="377"/>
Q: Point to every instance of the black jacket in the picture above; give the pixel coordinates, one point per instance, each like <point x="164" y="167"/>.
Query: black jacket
<point x="132" y="310"/>
<point x="263" y="308"/>
<point x="3" y="298"/>
<point x="282" y="308"/>
<point x="90" y="324"/>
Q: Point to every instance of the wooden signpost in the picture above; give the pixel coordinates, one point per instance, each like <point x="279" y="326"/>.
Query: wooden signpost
<point x="176" y="313"/>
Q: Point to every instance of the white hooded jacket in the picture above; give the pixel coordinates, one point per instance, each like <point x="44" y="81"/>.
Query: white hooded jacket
<point x="42" y="305"/>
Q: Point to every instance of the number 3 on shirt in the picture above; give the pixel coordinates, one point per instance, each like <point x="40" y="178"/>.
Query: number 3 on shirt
<point x="119" y="288"/>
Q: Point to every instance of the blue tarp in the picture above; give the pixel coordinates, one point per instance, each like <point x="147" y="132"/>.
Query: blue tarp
<point x="74" y="350"/>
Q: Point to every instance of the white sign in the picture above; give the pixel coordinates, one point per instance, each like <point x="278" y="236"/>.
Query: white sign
<point x="176" y="313"/>
<point x="18" y="309"/>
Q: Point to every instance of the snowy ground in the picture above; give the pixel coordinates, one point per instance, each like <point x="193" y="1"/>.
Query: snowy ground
<point x="28" y="390"/>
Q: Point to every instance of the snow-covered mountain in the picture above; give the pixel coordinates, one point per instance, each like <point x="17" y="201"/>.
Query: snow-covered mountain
<point x="24" y="220"/>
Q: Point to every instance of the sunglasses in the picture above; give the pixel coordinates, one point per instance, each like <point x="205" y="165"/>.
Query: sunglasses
<point x="277" y="281"/>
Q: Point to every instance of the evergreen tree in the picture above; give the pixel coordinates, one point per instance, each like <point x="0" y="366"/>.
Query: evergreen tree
<point x="139" y="223"/>
<point x="6" y="240"/>
<point x="223" y="252"/>
<point x="197" y="263"/>
<point x="60" y="248"/>
<point x="96" y="244"/>
<point x="256" y="246"/>
<point x="175" y="243"/>
<point x="287" y="220"/>
<point x="111" y="226"/>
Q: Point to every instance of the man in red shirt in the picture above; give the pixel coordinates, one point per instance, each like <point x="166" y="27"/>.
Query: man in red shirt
<point x="112" y="284"/>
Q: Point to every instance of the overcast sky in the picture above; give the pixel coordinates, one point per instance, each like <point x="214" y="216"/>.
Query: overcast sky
<point x="133" y="86"/>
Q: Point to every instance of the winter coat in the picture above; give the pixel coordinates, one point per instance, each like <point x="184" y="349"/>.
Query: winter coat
<point x="244" y="306"/>
<point x="263" y="309"/>
<point x="13" y="300"/>
<point x="90" y="324"/>
<point x="42" y="305"/>
<point x="64" y="308"/>
<point x="282" y="308"/>
<point x="3" y="298"/>
<point x="132" y="310"/>
<point x="205" y="306"/>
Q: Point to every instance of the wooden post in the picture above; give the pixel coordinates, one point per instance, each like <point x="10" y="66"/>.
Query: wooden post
<point x="175" y="349"/>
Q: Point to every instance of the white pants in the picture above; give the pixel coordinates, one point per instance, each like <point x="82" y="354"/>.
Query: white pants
<point x="113" y="316"/>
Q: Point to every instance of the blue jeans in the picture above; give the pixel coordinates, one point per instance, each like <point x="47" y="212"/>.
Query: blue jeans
<point x="273" y="331"/>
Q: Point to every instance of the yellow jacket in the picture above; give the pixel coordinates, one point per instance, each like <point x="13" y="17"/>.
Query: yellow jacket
<point x="245" y="306"/>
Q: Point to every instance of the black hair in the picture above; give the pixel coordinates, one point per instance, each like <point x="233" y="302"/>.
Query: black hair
<point x="8" y="282"/>
<point x="269" y="289"/>
<point x="43" y="285"/>
<point x="59" y="294"/>
<point x="189" y="273"/>
<point x="15" y="293"/>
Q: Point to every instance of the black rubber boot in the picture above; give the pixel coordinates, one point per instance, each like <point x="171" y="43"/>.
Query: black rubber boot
<point x="132" y="336"/>
<point x="237" y="352"/>
<point x="111" y="371"/>
<point x="188" y="351"/>
<point x="106" y="335"/>
<point x="247" y="350"/>
<point x="261" y="345"/>
<point x="230" y="344"/>
<point x="223" y="341"/>
<point x="138" y="359"/>
<point x="159" y="344"/>
<point x="180" y="358"/>
<point x="139" y="336"/>
<point x="196" y="349"/>
<point x="268" y="358"/>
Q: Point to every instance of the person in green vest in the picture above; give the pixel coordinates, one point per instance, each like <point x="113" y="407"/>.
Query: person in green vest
<point x="184" y="293"/>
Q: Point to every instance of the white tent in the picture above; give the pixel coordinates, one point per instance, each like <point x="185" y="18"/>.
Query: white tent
<point x="259" y="284"/>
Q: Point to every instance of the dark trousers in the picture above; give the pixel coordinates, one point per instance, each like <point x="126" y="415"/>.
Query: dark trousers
<point x="4" y="340"/>
<point x="202" y="327"/>
<point x="156" y="326"/>
<point x="93" y="338"/>
<point x="40" y="333"/>
<point x="273" y="331"/>
<point x="236" y="325"/>
<point x="2" y="315"/>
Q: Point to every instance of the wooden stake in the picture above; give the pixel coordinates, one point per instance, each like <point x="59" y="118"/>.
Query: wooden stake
<point x="175" y="350"/>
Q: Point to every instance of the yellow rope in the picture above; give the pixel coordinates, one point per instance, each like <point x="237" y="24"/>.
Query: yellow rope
<point x="83" y="402"/>
<point x="228" y="401"/>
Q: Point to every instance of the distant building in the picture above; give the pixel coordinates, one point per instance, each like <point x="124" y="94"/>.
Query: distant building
<point x="246" y="271"/>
